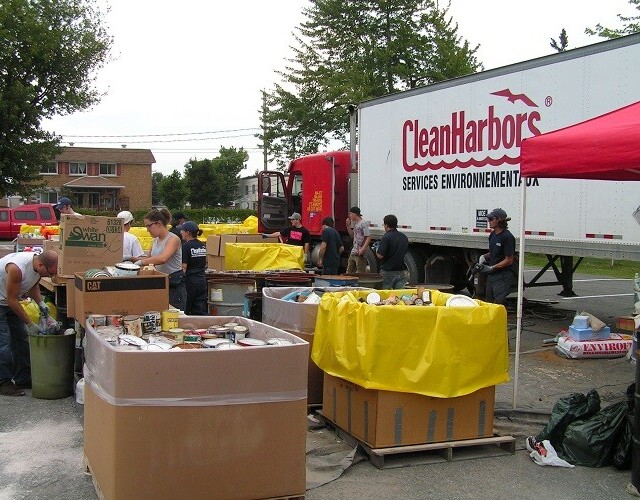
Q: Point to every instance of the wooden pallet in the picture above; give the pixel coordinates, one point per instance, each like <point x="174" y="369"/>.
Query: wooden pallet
<point x="87" y="469"/>
<point x="420" y="454"/>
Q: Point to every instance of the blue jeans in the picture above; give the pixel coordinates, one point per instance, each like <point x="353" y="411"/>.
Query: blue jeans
<point x="15" y="362"/>
<point x="394" y="280"/>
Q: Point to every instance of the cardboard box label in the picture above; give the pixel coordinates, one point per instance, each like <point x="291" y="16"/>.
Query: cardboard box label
<point x="121" y="284"/>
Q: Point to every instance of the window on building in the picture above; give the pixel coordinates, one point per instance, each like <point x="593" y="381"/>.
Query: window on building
<point x="253" y="189"/>
<point x="246" y="190"/>
<point x="77" y="168"/>
<point x="107" y="169"/>
<point x="49" y="168"/>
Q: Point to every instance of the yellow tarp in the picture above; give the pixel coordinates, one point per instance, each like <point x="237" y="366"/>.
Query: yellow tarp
<point x="436" y="351"/>
<point x="248" y="226"/>
<point x="263" y="256"/>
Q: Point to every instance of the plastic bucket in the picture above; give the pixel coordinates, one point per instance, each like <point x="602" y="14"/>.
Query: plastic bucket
<point x="369" y="280"/>
<point x="336" y="280"/>
<point x="253" y="306"/>
<point x="226" y="297"/>
<point x="52" y="362"/>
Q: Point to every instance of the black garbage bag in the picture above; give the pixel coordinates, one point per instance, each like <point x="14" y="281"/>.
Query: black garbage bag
<point x="622" y="452"/>
<point x="565" y="411"/>
<point x="592" y="441"/>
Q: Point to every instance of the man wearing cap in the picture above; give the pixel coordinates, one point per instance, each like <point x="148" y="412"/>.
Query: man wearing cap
<point x="64" y="206"/>
<point x="177" y="219"/>
<point x="295" y="234"/>
<point x="498" y="263"/>
<point x="358" y="230"/>
<point x="131" y="250"/>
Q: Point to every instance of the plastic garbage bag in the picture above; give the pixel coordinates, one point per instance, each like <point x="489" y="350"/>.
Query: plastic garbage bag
<point x="545" y="454"/>
<point x="48" y="325"/>
<point x="622" y="451"/>
<point x="565" y="411"/>
<point x="592" y="441"/>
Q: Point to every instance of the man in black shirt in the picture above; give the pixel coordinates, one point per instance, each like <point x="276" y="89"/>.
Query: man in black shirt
<point x="498" y="263"/>
<point x="330" y="248"/>
<point x="295" y="234"/>
<point x="391" y="251"/>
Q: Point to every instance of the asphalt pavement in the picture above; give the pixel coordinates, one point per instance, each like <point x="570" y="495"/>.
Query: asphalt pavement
<point x="41" y="441"/>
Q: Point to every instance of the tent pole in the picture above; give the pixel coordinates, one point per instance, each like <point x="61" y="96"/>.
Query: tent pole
<point x="523" y="206"/>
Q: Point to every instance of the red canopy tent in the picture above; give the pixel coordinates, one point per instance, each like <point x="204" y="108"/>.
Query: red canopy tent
<point x="606" y="147"/>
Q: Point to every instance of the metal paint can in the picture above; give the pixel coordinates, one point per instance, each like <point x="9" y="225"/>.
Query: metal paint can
<point x="96" y="320"/>
<point x="114" y="320"/>
<point x="155" y="318"/>
<point x="177" y="334"/>
<point x="133" y="325"/>
<point x="191" y="336"/>
<point x="238" y="333"/>
<point x="169" y="319"/>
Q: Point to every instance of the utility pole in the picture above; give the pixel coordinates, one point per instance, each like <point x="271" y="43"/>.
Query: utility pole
<point x="264" y="130"/>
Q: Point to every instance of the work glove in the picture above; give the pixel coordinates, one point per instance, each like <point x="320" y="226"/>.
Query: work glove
<point x="33" y="329"/>
<point x="44" y="309"/>
<point x="375" y="246"/>
<point x="138" y="263"/>
<point x="264" y="235"/>
<point x="482" y="260"/>
<point x="484" y="269"/>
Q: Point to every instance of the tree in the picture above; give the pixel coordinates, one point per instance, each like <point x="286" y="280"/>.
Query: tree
<point x="631" y="25"/>
<point x="156" y="179"/>
<point x="173" y="190"/>
<point x="563" y="41"/>
<point x="213" y="182"/>
<point x="349" y="51"/>
<point x="49" y="55"/>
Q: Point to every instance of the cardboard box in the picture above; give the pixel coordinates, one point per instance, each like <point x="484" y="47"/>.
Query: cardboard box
<point x="88" y="242"/>
<point x="386" y="419"/>
<point x="244" y="238"/>
<point x="32" y="243"/>
<point x="213" y="244"/>
<point x="626" y="323"/>
<point x="215" y="262"/>
<point x="120" y="295"/>
<point x="52" y="245"/>
<point x="298" y="319"/>
<point x="201" y="423"/>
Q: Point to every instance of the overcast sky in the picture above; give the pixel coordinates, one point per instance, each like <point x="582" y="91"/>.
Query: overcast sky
<point x="194" y="69"/>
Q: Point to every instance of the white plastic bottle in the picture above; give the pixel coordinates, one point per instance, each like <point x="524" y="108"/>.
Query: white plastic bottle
<point x="80" y="391"/>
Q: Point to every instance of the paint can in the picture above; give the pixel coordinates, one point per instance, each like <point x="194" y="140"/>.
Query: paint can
<point x="133" y="325"/>
<point x="155" y="319"/>
<point x="96" y="320"/>
<point x="169" y="319"/>
<point x="238" y="333"/>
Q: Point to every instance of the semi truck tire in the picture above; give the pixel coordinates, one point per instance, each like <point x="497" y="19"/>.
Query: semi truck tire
<point x="414" y="261"/>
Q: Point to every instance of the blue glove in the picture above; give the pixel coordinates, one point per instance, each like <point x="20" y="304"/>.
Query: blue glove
<point x="484" y="269"/>
<point x="44" y="309"/>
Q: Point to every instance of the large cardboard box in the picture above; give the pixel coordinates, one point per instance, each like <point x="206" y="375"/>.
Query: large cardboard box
<point x="215" y="262"/>
<point x="197" y="424"/>
<point x="88" y="242"/>
<point x="244" y="238"/>
<point x="298" y="319"/>
<point x="120" y="295"/>
<point x="213" y="244"/>
<point x="386" y="419"/>
<point x="52" y="245"/>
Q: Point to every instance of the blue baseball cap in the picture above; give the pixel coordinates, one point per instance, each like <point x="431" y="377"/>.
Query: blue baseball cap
<point x="189" y="226"/>
<point x="62" y="202"/>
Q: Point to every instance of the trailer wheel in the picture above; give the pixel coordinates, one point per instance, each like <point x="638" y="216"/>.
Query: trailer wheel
<point x="414" y="260"/>
<point x="372" y="261"/>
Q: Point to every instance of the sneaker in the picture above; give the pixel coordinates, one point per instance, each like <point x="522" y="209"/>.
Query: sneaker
<point x="9" y="389"/>
<point x="531" y="443"/>
<point x="23" y="385"/>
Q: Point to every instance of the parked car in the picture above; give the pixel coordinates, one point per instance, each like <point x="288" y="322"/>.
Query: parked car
<point x="11" y="219"/>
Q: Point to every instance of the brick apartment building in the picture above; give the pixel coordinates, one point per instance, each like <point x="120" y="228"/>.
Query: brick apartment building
<point x="110" y="179"/>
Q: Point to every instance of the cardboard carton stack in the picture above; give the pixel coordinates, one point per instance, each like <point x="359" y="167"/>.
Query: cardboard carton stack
<point x="216" y="246"/>
<point x="200" y="423"/>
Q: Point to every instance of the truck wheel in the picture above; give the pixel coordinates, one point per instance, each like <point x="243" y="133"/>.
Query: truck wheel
<point x="414" y="260"/>
<point x="372" y="261"/>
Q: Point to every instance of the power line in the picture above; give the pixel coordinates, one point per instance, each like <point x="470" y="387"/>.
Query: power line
<point x="168" y="140"/>
<point x="165" y="135"/>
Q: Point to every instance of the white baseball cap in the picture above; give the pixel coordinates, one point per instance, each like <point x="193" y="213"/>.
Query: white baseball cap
<point x="126" y="216"/>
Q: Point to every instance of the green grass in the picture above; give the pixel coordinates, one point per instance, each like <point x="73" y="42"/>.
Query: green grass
<point x="590" y="265"/>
